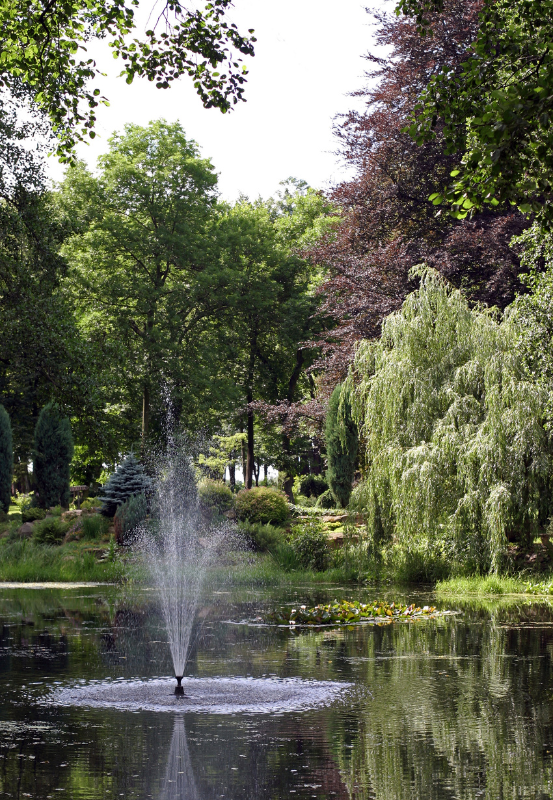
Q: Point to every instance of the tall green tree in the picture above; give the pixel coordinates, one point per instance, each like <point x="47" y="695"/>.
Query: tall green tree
<point x="342" y="440"/>
<point x="271" y="293"/>
<point x="6" y="459"/>
<point x="143" y="275"/>
<point x="53" y="451"/>
<point x="41" y="353"/>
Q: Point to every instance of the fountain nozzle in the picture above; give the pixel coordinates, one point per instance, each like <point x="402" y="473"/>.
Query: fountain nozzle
<point x="179" y="691"/>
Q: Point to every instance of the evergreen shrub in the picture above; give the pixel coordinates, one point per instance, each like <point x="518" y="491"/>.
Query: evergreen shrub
<point x="460" y="460"/>
<point x="312" y="485"/>
<point x="260" y="537"/>
<point x="53" y="451"/>
<point x="341" y="439"/>
<point x="50" y="530"/>
<point x="128" y="479"/>
<point x="310" y="547"/>
<point x="6" y="460"/>
<point x="128" y="516"/>
<point x="33" y="513"/>
<point x="215" y="495"/>
<point x="262" y="504"/>
<point x="326" y="500"/>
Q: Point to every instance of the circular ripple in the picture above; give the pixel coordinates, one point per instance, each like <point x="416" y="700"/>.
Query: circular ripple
<point x="207" y="695"/>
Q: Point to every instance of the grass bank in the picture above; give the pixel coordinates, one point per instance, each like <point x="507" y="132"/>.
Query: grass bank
<point x="27" y="561"/>
<point x="495" y="585"/>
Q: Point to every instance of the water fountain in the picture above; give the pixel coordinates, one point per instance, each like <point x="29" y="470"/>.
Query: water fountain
<point x="178" y="546"/>
<point x="178" y="551"/>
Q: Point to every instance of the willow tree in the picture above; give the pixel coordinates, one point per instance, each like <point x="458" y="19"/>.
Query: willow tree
<point x="458" y="457"/>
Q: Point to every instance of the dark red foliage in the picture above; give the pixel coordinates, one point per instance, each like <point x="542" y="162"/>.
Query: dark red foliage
<point x="388" y="225"/>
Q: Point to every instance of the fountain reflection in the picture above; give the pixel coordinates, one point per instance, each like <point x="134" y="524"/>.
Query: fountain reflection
<point x="179" y="781"/>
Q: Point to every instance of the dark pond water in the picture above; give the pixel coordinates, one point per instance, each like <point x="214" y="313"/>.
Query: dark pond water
<point x="459" y="707"/>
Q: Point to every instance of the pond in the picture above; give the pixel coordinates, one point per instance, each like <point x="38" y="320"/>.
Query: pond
<point x="455" y="707"/>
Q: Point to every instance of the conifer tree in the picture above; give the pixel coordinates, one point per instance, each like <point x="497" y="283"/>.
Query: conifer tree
<point x="341" y="447"/>
<point x="6" y="459"/>
<point x="53" y="451"/>
<point x="128" y="479"/>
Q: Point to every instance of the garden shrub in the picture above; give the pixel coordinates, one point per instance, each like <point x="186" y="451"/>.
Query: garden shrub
<point x="310" y="546"/>
<point x="262" y="537"/>
<point x="326" y="500"/>
<point x="94" y="526"/>
<point x="91" y="503"/>
<point x="312" y="485"/>
<point x="50" y="530"/>
<point x="6" y="460"/>
<point x="128" y="479"/>
<point x="128" y="516"/>
<point x="33" y="513"/>
<point x="215" y="495"/>
<point x="341" y="439"/>
<point x="262" y="504"/>
<point x="460" y="459"/>
<point x="52" y="454"/>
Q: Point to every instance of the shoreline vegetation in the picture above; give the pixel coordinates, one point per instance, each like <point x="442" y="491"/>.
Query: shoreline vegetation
<point x="25" y="561"/>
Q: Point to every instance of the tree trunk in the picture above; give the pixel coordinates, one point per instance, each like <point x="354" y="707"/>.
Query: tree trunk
<point x="232" y="475"/>
<point x="145" y="413"/>
<point x="250" y="452"/>
<point x="249" y="414"/>
<point x="265" y="472"/>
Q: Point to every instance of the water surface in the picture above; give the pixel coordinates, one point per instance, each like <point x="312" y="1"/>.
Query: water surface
<point x="458" y="707"/>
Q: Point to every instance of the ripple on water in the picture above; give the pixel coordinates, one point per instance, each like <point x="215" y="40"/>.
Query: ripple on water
<point x="207" y="695"/>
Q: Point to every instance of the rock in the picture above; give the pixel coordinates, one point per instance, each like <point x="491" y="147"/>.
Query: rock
<point x="336" y="539"/>
<point x="341" y="518"/>
<point x="69" y="515"/>
<point x="25" y="530"/>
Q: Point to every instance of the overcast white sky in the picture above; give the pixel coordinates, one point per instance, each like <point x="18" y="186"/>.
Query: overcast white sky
<point x="308" y="57"/>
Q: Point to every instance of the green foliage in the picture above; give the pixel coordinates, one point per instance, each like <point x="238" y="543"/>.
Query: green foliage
<point x="326" y="500"/>
<point x="215" y="495"/>
<point x="94" y="526"/>
<point x="262" y="504"/>
<point x="26" y="560"/>
<point x="53" y="450"/>
<point x="41" y="47"/>
<point x="341" y="446"/>
<point x="496" y="110"/>
<point x="6" y="460"/>
<point x="128" y="479"/>
<point x="128" y="516"/>
<point x="459" y="458"/>
<point x="91" y="503"/>
<point x="50" y="530"/>
<point x="312" y="485"/>
<point x="310" y="546"/>
<point x="262" y="537"/>
<point x="349" y="613"/>
<point x="32" y="513"/>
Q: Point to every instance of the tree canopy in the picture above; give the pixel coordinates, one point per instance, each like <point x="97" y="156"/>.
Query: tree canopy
<point x="44" y="47"/>
<point x="493" y="109"/>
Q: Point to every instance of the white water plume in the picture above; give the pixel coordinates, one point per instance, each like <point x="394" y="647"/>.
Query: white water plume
<point x="178" y="547"/>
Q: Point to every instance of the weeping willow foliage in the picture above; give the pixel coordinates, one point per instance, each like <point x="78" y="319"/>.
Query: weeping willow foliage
<point x="458" y="458"/>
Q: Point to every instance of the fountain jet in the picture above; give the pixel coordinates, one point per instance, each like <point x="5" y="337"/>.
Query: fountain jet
<point x="179" y="691"/>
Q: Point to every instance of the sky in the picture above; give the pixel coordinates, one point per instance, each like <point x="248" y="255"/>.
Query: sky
<point x="308" y="58"/>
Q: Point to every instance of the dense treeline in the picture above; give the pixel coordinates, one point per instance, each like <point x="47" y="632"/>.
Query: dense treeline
<point x="130" y="294"/>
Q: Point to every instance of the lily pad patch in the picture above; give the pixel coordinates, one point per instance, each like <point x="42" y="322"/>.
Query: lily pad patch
<point x="345" y="613"/>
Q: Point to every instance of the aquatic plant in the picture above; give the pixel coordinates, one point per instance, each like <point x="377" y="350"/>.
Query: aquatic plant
<point x="345" y="613"/>
<point x="458" y="457"/>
